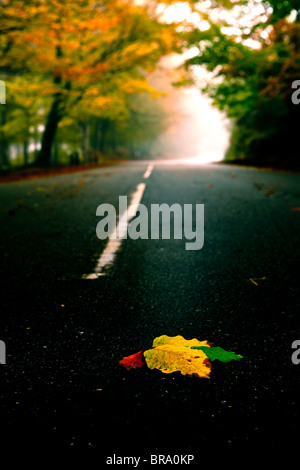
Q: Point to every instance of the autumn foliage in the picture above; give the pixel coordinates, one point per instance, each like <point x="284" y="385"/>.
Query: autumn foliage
<point x="176" y="354"/>
<point x="253" y="76"/>
<point x="72" y="67"/>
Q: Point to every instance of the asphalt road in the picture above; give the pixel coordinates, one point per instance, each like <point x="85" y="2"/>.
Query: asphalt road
<point x="62" y="385"/>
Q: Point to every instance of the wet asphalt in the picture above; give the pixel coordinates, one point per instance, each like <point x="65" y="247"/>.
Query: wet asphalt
<point x="62" y="386"/>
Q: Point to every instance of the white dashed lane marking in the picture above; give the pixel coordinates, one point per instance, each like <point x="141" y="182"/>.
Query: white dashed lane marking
<point x="116" y="238"/>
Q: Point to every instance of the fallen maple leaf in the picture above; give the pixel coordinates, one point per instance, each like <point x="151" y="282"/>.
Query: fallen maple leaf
<point x="175" y="354"/>
<point x="133" y="361"/>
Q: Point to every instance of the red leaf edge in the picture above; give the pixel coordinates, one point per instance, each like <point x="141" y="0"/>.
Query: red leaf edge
<point x="133" y="361"/>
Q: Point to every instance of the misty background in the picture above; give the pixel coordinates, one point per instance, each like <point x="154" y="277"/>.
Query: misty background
<point x="195" y="128"/>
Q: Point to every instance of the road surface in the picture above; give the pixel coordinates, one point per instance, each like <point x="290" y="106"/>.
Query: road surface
<point x="62" y="384"/>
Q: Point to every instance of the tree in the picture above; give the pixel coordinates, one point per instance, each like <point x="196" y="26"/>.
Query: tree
<point x="253" y="85"/>
<point x="86" y="56"/>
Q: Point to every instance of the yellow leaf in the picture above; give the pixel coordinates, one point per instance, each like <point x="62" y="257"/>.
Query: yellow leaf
<point x="172" y="354"/>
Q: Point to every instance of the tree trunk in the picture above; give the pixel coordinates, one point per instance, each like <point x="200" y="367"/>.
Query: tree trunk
<point x="4" y="158"/>
<point x="55" y="151"/>
<point x="85" y="136"/>
<point x="95" y="134"/>
<point x="104" y="129"/>
<point x="36" y="144"/>
<point x="113" y="137"/>
<point x="54" y="117"/>
<point x="25" y="152"/>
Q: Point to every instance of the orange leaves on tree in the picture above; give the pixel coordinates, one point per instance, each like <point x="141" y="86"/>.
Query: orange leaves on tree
<point x="98" y="24"/>
<point x="80" y="73"/>
<point x="34" y="38"/>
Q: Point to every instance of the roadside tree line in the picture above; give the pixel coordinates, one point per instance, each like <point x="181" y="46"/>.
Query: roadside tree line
<point x="77" y="76"/>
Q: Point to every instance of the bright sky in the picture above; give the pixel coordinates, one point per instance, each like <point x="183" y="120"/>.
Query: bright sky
<point x="239" y="19"/>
